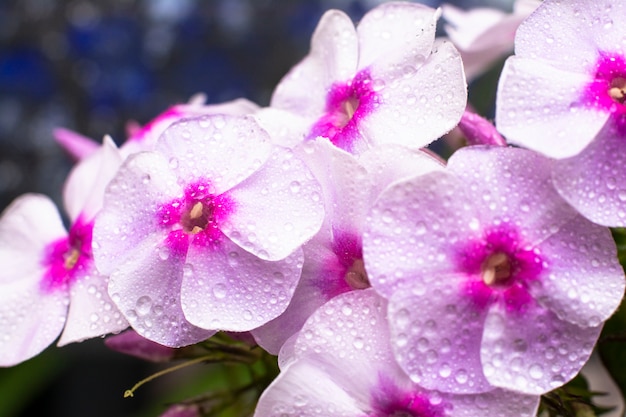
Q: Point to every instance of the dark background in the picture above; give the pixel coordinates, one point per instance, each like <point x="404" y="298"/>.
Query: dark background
<point x="92" y="66"/>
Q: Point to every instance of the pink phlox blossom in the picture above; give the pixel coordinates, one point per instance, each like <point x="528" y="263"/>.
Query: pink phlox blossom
<point x="49" y="283"/>
<point x="562" y="94"/>
<point x="484" y="35"/>
<point x="333" y="257"/>
<point x="385" y="81"/>
<point x="512" y="284"/>
<point x="143" y="138"/>
<point x="204" y="233"/>
<point x="75" y="144"/>
<point x="342" y="364"/>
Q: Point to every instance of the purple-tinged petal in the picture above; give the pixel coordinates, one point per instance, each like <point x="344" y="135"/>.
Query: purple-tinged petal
<point x="143" y="184"/>
<point x="420" y="105"/>
<point x="592" y="180"/>
<point x="32" y="313"/>
<point x="77" y="145"/>
<point x="438" y="344"/>
<point x="279" y="207"/>
<point x="305" y="389"/>
<point x="412" y="231"/>
<point x="85" y="185"/>
<point x="567" y="34"/>
<point x="30" y="319"/>
<point x="182" y="410"/>
<point x="396" y="34"/>
<point x="479" y="131"/>
<point x="145" y="138"/>
<point x="285" y="128"/>
<point x="208" y="146"/>
<point x="345" y="186"/>
<point x="228" y="288"/>
<point x="388" y="164"/>
<point x="91" y="313"/>
<point x="541" y="107"/>
<point x="583" y="282"/>
<point x="131" y="343"/>
<point x="146" y="288"/>
<point x="513" y="186"/>
<point x="533" y="359"/>
<point x="333" y="57"/>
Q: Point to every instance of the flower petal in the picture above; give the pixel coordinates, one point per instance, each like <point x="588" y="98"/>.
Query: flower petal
<point x="85" y="185"/>
<point x="537" y="102"/>
<point x="333" y="57"/>
<point x="223" y="149"/>
<point x="227" y="288"/>
<point x="438" y="344"/>
<point x="591" y="180"/>
<point x="91" y="312"/>
<point x="145" y="288"/>
<point x="277" y="209"/>
<point x="533" y="359"/>
<point x="585" y="282"/>
<point x="420" y="105"/>
<point x="396" y="34"/>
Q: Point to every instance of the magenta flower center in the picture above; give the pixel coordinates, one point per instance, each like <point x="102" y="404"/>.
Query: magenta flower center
<point x="607" y="90"/>
<point x="346" y="105"/>
<point x="499" y="268"/>
<point x="65" y="258"/>
<point x="388" y="400"/>
<point x="195" y="218"/>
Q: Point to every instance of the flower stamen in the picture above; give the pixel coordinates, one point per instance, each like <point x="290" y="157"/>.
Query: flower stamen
<point x="496" y="269"/>
<point x="617" y="91"/>
<point x="356" y="276"/>
<point x="71" y="258"/>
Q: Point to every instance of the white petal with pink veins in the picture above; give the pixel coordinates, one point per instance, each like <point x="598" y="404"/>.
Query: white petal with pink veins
<point x="277" y="209"/>
<point x="227" y="288"/>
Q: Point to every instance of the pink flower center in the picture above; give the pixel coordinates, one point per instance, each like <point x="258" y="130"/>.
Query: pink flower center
<point x="388" y="400"/>
<point x="346" y="105"/>
<point x="195" y="218"/>
<point x="345" y="270"/>
<point x="499" y="268"/>
<point x="66" y="258"/>
<point x="607" y="91"/>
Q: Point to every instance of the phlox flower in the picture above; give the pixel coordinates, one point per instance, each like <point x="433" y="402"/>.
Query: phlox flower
<point x="562" y="94"/>
<point x="342" y="364"/>
<point x="492" y="278"/>
<point x="204" y="232"/>
<point x="48" y="283"/>
<point x="334" y="256"/>
<point x="484" y="35"/>
<point x="385" y="81"/>
<point x="143" y="138"/>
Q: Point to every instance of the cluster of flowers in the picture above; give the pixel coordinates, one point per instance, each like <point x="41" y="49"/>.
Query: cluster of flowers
<point x="390" y="282"/>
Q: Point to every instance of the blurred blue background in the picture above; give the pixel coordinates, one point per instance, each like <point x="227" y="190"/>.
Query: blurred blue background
<point x="92" y="66"/>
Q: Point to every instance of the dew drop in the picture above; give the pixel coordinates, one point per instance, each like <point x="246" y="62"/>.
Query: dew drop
<point x="164" y="253"/>
<point x="143" y="305"/>
<point x="536" y="371"/>
<point x="219" y="291"/>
